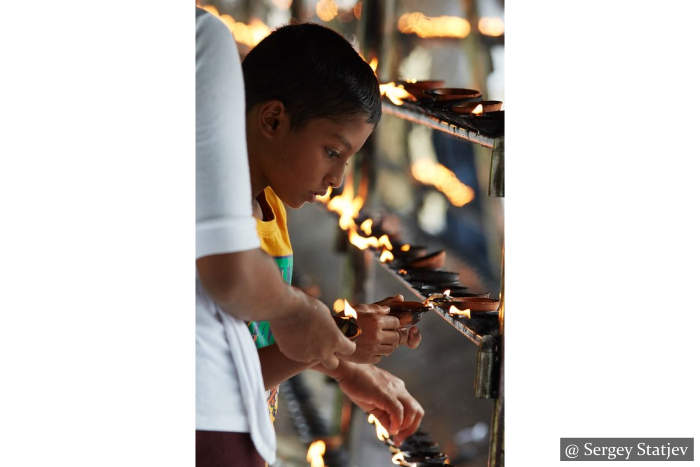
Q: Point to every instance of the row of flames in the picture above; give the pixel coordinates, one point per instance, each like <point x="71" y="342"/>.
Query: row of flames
<point x="409" y="23"/>
<point x="348" y="205"/>
<point x="245" y="33"/>
<point x="447" y="26"/>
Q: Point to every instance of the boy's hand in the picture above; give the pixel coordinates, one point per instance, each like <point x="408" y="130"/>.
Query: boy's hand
<point x="382" y="394"/>
<point x="380" y="333"/>
<point x="409" y="336"/>
<point x="309" y="334"/>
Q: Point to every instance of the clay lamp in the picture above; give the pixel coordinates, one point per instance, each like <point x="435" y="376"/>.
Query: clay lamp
<point x="345" y="317"/>
<point x="434" y="260"/>
<point x="451" y="96"/>
<point x="409" y="313"/>
<point x="418" y="88"/>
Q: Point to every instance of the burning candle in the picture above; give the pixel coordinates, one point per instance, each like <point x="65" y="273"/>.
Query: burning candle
<point x="456" y="311"/>
<point x="386" y="256"/>
<point x="347" y="321"/>
<point x="366" y="226"/>
<point x="382" y="433"/>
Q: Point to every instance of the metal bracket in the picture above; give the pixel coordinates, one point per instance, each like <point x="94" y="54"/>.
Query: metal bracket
<point x="496" y="179"/>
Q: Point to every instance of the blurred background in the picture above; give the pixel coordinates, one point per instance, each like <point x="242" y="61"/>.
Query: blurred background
<point x="462" y="43"/>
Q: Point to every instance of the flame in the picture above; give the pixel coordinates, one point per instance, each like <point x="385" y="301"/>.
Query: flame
<point x="362" y="242"/>
<point x="403" y="271"/>
<point x="382" y="432"/>
<point x="399" y="459"/>
<point x="386" y="256"/>
<point x="439" y="26"/>
<point x="446" y="293"/>
<point x="326" y="10"/>
<point x="479" y="109"/>
<point x="315" y="453"/>
<point x="347" y="205"/>
<point x="456" y="311"/>
<point x="405" y="247"/>
<point x="395" y="92"/>
<point x="442" y="178"/>
<point x="348" y="311"/>
<point x="338" y="305"/>
<point x="491" y="27"/>
<point x="366" y="226"/>
<point x="373" y="64"/>
<point x="324" y="198"/>
<point x="249" y="34"/>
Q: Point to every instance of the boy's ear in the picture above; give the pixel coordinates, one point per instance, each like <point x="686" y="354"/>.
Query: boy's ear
<point x="272" y="117"/>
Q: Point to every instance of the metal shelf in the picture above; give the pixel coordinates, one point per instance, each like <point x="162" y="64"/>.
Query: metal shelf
<point x="460" y="324"/>
<point x="415" y="114"/>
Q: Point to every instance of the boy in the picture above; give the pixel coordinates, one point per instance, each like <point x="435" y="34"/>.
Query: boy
<point x="311" y="103"/>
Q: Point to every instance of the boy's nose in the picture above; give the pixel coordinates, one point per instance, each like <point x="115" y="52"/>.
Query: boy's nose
<point x="335" y="179"/>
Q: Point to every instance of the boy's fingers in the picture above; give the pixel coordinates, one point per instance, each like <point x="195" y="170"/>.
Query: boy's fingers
<point x="389" y="323"/>
<point x="346" y="347"/>
<point x="330" y="362"/>
<point x="414" y="338"/>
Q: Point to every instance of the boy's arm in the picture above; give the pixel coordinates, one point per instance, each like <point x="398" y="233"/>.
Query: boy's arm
<point x="373" y="389"/>
<point x="380" y="393"/>
<point x="248" y="285"/>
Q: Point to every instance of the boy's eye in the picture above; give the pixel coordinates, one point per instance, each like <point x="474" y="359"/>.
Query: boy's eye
<point x="332" y="153"/>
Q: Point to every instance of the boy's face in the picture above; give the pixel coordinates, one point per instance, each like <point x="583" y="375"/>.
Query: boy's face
<point x="310" y="159"/>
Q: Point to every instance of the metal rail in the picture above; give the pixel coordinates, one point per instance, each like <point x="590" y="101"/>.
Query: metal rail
<point x="460" y="324"/>
<point x="423" y="117"/>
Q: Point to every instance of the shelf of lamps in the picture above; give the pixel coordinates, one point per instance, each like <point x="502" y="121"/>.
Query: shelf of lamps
<point x="460" y="324"/>
<point x="416" y="114"/>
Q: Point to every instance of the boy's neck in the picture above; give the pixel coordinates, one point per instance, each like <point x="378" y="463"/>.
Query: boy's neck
<point x="258" y="182"/>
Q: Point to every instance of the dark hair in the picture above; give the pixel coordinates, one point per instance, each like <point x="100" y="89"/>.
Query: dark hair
<point x="314" y="71"/>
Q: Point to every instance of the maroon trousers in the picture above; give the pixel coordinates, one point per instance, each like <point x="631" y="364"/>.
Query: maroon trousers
<point x="226" y="449"/>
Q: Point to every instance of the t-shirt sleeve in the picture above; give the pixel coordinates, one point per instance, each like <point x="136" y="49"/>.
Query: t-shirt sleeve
<point x="224" y="217"/>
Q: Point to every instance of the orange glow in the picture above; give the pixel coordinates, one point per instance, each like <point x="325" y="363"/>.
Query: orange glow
<point x="405" y="247"/>
<point x="382" y="432"/>
<point x="366" y="226"/>
<point x="348" y="207"/>
<point x="395" y="93"/>
<point x="439" y="26"/>
<point x="252" y="33"/>
<point x="249" y="34"/>
<point x="357" y="10"/>
<point x="479" y="109"/>
<point x="373" y="64"/>
<point x="348" y="311"/>
<point x="314" y="455"/>
<point x="386" y="256"/>
<point x="456" y="311"/>
<point x="442" y="178"/>
<point x="326" y="10"/>
<point x="491" y="27"/>
<point x="338" y="305"/>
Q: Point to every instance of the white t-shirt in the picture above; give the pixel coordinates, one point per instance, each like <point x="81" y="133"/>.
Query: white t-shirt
<point x="230" y="391"/>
